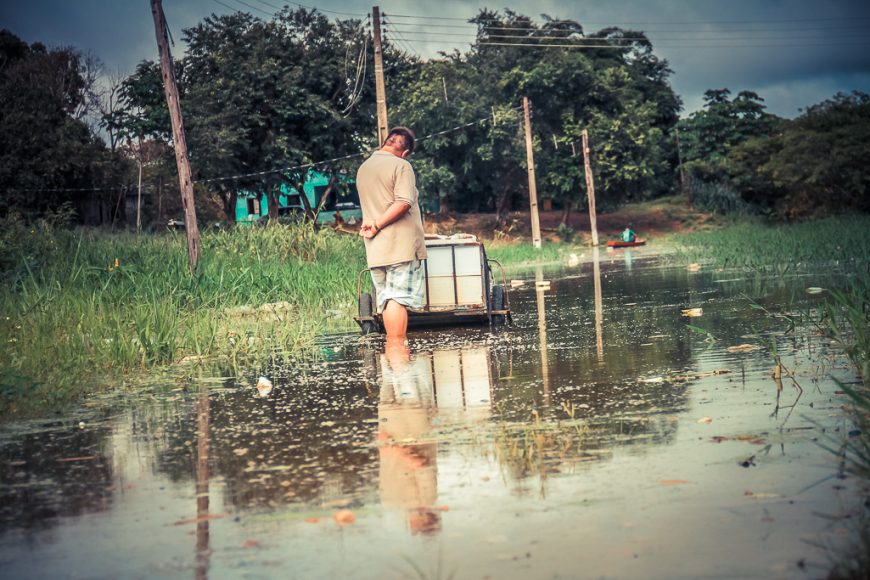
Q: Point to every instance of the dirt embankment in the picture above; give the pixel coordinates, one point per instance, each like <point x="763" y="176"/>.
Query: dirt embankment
<point x="648" y="219"/>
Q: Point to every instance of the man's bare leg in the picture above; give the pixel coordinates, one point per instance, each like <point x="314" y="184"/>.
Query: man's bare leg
<point x="398" y="353"/>
<point x="395" y="320"/>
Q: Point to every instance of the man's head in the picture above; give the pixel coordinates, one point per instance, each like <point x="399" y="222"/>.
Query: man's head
<point x="400" y="141"/>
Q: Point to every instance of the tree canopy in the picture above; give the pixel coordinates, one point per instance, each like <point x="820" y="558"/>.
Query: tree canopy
<point x="816" y="163"/>
<point x="266" y="100"/>
<point x="47" y="148"/>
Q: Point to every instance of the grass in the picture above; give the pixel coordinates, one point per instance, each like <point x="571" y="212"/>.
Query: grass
<point x="521" y="254"/>
<point x="838" y="242"/>
<point x="829" y="249"/>
<point x="84" y="308"/>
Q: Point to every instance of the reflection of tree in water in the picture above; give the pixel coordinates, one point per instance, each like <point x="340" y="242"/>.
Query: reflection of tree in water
<point x="545" y="448"/>
<point x="59" y="471"/>
<point x="308" y="441"/>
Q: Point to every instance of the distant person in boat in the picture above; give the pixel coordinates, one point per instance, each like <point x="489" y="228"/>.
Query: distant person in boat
<point x="628" y="235"/>
<point x="393" y="230"/>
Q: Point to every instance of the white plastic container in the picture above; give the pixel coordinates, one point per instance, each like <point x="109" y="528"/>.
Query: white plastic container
<point x="455" y="273"/>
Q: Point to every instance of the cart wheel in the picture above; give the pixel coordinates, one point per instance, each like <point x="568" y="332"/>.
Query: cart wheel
<point x="366" y="309"/>
<point x="498" y="303"/>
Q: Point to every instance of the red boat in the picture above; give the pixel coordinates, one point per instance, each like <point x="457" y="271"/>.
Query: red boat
<point x="620" y="244"/>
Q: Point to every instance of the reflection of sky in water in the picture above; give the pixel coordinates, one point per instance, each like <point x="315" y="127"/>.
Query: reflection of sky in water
<point x="578" y="427"/>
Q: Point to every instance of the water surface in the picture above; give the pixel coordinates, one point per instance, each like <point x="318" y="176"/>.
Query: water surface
<point x="604" y="434"/>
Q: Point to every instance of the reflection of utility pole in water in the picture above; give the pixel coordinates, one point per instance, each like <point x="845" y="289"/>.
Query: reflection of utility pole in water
<point x="203" y="419"/>
<point x="628" y="258"/>
<point x="542" y="334"/>
<point x="599" y="307"/>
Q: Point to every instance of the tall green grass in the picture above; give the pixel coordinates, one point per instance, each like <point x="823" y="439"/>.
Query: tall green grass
<point x="521" y="254"/>
<point x="81" y="308"/>
<point x="840" y="243"/>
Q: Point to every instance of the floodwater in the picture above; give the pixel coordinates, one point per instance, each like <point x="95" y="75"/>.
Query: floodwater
<point x="604" y="435"/>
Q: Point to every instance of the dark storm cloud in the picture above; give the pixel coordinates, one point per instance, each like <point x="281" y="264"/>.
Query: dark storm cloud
<point x="794" y="53"/>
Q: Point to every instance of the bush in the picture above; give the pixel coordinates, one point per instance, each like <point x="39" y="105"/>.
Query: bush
<point x="718" y="198"/>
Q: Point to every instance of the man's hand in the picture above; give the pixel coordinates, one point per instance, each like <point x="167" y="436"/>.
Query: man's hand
<point x="368" y="230"/>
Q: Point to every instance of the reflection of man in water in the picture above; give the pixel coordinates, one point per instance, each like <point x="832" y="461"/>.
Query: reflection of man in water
<point x="408" y="472"/>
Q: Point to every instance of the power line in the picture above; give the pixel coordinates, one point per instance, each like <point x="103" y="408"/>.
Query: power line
<point x="278" y="8"/>
<point x="472" y="29"/>
<point x="667" y="22"/>
<point x="233" y="8"/>
<point x="312" y="8"/>
<point x="631" y="39"/>
<point x="399" y="36"/>
<point x="290" y="169"/>
<point x="780" y="45"/>
<point x="252" y="7"/>
<point x="336" y="159"/>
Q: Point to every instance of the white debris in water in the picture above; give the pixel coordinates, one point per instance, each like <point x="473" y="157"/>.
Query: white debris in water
<point x="264" y="386"/>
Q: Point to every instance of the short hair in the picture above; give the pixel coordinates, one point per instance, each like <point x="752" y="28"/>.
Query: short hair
<point x="407" y="136"/>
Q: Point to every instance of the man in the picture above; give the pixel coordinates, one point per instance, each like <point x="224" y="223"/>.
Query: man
<point x="628" y="235"/>
<point x="393" y="230"/>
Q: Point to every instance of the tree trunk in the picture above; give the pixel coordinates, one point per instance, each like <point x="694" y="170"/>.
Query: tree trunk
<point x="229" y="198"/>
<point x="502" y="208"/>
<point x="444" y="205"/>
<point x="566" y="212"/>
<point x="274" y="195"/>
<point x="300" y="187"/>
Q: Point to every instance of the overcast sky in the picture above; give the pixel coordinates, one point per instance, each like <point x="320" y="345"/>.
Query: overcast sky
<point x="793" y="53"/>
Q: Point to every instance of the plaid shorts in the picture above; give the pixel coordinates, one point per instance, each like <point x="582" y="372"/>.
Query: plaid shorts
<point x="400" y="282"/>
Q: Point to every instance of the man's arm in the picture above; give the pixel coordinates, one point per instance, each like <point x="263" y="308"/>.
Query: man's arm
<point x="396" y="210"/>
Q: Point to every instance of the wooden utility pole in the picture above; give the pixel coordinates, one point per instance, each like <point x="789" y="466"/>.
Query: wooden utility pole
<point x="683" y="189"/>
<point x="590" y="188"/>
<point x="185" y="181"/>
<point x="139" y="194"/>
<point x="533" y="188"/>
<point x="380" y="87"/>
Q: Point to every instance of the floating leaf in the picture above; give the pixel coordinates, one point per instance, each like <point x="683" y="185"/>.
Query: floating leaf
<point x="344" y="517"/>
<point x="742" y="348"/>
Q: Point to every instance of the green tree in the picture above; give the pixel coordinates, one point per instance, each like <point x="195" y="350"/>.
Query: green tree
<point x="260" y="95"/>
<point x="709" y="135"/>
<point x="620" y="94"/>
<point x="47" y="149"/>
<point x="817" y="163"/>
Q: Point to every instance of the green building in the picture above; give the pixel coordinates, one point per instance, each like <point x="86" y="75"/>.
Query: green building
<point x="343" y="200"/>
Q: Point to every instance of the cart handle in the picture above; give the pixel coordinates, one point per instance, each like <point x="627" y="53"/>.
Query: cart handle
<point x="359" y="282"/>
<point x="507" y="297"/>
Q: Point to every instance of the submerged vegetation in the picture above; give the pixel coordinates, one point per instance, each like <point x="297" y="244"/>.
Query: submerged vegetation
<point x="834" y="246"/>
